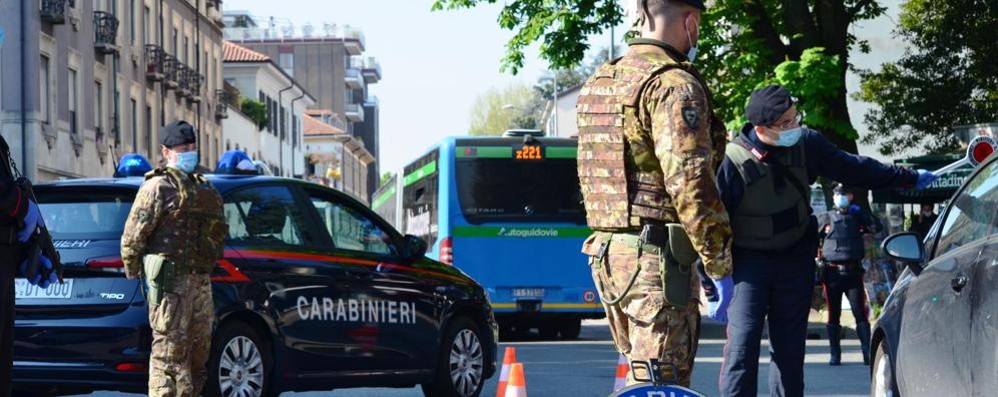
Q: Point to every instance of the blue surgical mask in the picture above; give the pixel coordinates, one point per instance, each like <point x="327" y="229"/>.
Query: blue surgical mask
<point x="692" y="53"/>
<point x="841" y="201"/>
<point x="187" y="161"/>
<point x="789" y="138"/>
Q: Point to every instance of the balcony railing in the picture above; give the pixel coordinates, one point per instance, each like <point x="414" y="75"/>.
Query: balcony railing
<point x="105" y="32"/>
<point x="54" y="11"/>
<point x="353" y="78"/>
<point x="355" y="112"/>
<point x="196" y="81"/>
<point x="155" y="62"/>
<point x="171" y="67"/>
<point x="183" y="80"/>
<point x="222" y="101"/>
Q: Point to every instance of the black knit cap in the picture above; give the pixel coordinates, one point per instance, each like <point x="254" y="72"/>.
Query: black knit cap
<point x="177" y="133"/>
<point x="696" y="3"/>
<point x="767" y="104"/>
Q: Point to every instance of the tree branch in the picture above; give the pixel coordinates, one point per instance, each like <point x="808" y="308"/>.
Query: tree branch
<point x="763" y="27"/>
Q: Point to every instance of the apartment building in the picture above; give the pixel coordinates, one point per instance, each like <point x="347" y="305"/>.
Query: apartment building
<point x="330" y="62"/>
<point x="278" y="143"/>
<point x="336" y="159"/>
<point x="95" y="79"/>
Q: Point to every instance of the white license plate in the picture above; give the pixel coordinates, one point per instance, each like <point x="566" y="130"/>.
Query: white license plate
<point x="24" y="290"/>
<point x="528" y="292"/>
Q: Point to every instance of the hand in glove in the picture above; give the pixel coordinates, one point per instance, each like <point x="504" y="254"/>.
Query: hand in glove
<point x="718" y="311"/>
<point x="925" y="178"/>
<point x="45" y="276"/>
<point x="31" y="222"/>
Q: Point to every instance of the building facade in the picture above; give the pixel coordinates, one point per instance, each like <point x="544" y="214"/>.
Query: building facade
<point x="336" y="159"/>
<point x="329" y="62"/>
<point x="97" y="79"/>
<point x="250" y="75"/>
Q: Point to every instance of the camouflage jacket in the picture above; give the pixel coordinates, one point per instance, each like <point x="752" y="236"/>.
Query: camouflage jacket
<point x="672" y="126"/>
<point x="178" y="216"/>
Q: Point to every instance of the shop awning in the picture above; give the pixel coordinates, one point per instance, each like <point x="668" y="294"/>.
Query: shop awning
<point x="940" y="190"/>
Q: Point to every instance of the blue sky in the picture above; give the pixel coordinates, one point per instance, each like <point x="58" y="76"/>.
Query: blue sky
<point x="434" y="63"/>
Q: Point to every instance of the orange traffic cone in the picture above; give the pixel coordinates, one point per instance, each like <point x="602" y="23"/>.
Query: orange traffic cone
<point x="508" y="359"/>
<point x="623" y="370"/>
<point x="517" y="384"/>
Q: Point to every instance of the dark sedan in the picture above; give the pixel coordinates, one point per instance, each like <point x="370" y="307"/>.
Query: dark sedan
<point x="315" y="292"/>
<point x="938" y="333"/>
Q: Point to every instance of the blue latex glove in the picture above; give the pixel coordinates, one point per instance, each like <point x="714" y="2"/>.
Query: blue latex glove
<point x="31" y="221"/>
<point x="854" y="209"/>
<point x="925" y="178"/>
<point x="45" y="275"/>
<point x="718" y="311"/>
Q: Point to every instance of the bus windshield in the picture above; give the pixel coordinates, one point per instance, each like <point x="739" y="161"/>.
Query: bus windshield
<point x="508" y="190"/>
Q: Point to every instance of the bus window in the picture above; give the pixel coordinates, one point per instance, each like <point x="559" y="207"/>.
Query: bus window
<point x="510" y="190"/>
<point x="419" y="198"/>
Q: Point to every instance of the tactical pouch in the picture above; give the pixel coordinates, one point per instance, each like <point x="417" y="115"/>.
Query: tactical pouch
<point x="160" y="274"/>
<point x="675" y="266"/>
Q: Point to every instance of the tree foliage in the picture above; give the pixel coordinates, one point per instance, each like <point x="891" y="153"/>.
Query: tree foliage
<point x="255" y="110"/>
<point x="947" y="76"/>
<point x="500" y="109"/>
<point x="743" y="43"/>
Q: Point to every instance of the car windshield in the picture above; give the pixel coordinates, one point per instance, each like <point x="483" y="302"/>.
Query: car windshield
<point x="85" y="215"/>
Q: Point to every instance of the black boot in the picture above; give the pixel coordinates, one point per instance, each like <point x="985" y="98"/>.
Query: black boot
<point x="834" y="337"/>
<point x="863" y="332"/>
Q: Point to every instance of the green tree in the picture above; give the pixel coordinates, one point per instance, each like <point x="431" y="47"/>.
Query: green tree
<point x="385" y="177"/>
<point x="947" y="76"/>
<point x="743" y="42"/>
<point x="498" y="110"/>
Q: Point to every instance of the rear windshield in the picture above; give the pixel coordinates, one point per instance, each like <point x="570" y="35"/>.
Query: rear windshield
<point x="85" y="214"/>
<point x="511" y="190"/>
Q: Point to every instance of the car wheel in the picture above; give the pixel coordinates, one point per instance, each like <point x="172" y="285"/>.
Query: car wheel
<point x="461" y="365"/>
<point x="883" y="383"/>
<point x="571" y="329"/>
<point x="240" y="364"/>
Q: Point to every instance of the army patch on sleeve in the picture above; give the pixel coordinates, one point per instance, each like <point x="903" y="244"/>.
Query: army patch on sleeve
<point x="691" y="117"/>
<point x="143" y="215"/>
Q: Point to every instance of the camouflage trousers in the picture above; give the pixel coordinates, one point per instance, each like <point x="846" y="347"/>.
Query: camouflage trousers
<point x="644" y="325"/>
<point x="181" y="337"/>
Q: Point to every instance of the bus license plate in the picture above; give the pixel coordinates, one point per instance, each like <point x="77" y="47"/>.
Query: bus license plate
<point x="24" y="290"/>
<point x="528" y="292"/>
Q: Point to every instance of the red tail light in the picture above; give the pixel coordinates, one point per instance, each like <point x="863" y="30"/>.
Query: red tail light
<point x="109" y="264"/>
<point x="447" y="251"/>
<point x="131" y="367"/>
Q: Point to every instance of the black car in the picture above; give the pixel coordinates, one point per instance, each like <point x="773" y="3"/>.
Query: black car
<point x="315" y="292"/>
<point x="938" y="333"/>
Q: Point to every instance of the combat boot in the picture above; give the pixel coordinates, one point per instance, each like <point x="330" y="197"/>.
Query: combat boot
<point x="835" y="347"/>
<point x="863" y="332"/>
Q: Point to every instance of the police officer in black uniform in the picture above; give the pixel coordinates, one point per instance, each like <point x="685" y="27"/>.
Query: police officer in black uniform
<point x="841" y="254"/>
<point x="19" y="218"/>
<point x="764" y="184"/>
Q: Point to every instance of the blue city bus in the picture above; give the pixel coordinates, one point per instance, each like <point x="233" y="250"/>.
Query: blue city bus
<point x="508" y="211"/>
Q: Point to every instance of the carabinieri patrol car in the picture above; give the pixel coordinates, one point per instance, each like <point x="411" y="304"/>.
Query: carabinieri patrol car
<point x="315" y="292"/>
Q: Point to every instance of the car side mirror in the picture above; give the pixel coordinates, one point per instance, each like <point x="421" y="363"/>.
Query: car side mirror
<point x="415" y="247"/>
<point x="906" y="248"/>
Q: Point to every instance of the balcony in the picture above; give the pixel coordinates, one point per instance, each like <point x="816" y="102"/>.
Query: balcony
<point x="171" y="67"/>
<point x="155" y="62"/>
<point x="371" y="70"/>
<point x="105" y="32"/>
<point x="196" y="81"/>
<point x="222" y="101"/>
<point x="54" y="11"/>
<point x="183" y="80"/>
<point x="355" y="112"/>
<point x="353" y="79"/>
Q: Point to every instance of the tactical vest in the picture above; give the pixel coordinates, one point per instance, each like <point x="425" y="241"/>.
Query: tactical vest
<point x="844" y="242"/>
<point x="193" y="233"/>
<point x="620" y="175"/>
<point x="771" y="215"/>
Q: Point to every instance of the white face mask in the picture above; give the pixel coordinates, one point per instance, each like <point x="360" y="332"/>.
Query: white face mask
<point x="692" y="53"/>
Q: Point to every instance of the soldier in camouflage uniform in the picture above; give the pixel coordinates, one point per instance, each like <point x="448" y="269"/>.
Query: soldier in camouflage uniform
<point x="649" y="145"/>
<point x="173" y="236"/>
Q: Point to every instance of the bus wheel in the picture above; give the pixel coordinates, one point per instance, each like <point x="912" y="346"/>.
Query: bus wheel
<point x="571" y="328"/>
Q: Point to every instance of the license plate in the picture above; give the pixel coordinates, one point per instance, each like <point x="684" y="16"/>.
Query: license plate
<point x="24" y="290"/>
<point x="528" y="292"/>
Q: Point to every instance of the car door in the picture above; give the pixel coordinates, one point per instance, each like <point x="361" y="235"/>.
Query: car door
<point x="272" y="238"/>
<point x="934" y="343"/>
<point x="983" y="359"/>
<point x="396" y="322"/>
